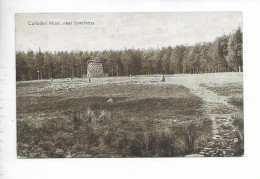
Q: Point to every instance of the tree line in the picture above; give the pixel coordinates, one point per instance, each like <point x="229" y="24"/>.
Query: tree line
<point x="224" y="54"/>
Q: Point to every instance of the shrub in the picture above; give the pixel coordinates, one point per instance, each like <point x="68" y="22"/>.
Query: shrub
<point x="237" y="101"/>
<point x="238" y="146"/>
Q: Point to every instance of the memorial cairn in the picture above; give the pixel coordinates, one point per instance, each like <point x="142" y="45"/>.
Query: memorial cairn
<point x="95" y="69"/>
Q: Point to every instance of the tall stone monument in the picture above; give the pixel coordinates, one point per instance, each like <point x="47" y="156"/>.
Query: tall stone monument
<point x="95" y="69"/>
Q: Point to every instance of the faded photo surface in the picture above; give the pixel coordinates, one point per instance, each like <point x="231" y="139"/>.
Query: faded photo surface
<point x="129" y="84"/>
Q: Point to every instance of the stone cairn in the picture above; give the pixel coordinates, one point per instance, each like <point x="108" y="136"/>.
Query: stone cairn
<point x="95" y="69"/>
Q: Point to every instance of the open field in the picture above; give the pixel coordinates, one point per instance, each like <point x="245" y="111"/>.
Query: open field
<point x="187" y="114"/>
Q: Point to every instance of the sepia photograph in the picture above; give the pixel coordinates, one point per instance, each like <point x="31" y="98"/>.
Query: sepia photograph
<point x="129" y="84"/>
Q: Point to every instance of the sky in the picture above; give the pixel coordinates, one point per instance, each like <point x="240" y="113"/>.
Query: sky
<point x="105" y="31"/>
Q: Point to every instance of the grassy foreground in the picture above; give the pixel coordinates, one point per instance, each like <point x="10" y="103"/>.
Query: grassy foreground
<point x="144" y="120"/>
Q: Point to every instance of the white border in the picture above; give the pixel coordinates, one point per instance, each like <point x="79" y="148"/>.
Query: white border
<point x="214" y="168"/>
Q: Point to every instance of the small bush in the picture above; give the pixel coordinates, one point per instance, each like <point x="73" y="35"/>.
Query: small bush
<point x="238" y="122"/>
<point x="237" y="101"/>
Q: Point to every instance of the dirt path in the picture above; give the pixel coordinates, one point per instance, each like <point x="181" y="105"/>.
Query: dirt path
<point x="223" y="130"/>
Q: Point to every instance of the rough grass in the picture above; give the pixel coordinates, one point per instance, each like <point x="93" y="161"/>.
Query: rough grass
<point x="145" y="120"/>
<point x="237" y="101"/>
<point x="32" y="99"/>
<point x="234" y="92"/>
<point x="238" y="121"/>
<point x="91" y="133"/>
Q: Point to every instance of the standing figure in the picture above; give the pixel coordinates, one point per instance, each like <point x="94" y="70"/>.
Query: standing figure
<point x="163" y="78"/>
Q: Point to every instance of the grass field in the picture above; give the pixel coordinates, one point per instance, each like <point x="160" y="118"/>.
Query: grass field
<point x="234" y="92"/>
<point x="148" y="118"/>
